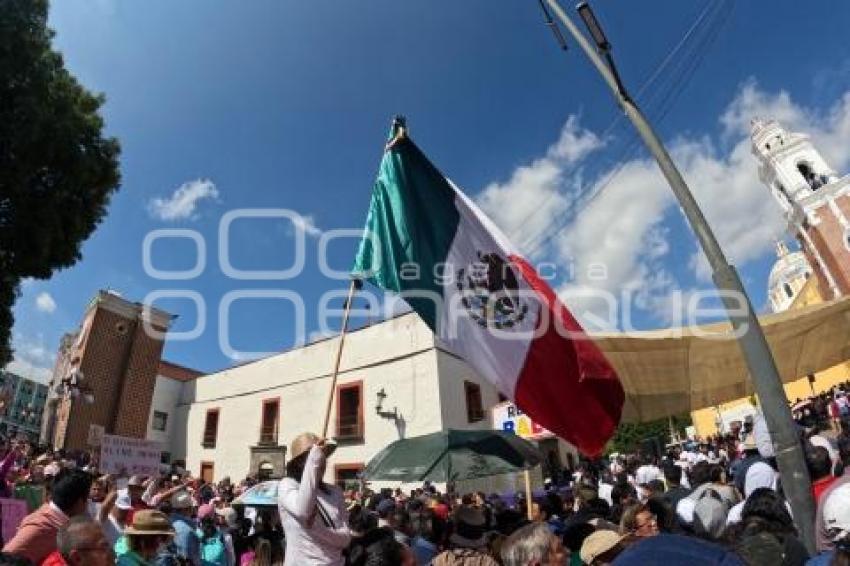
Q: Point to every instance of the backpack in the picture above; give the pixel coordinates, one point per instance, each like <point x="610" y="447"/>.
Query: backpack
<point x="213" y="551"/>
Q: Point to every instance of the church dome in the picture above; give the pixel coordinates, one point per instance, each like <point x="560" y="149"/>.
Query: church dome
<point x="787" y="277"/>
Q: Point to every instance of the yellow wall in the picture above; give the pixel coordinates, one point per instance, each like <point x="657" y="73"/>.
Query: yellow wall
<point x="704" y="419"/>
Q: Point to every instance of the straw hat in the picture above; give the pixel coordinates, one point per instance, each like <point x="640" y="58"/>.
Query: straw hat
<point x="149" y="523"/>
<point x="597" y="544"/>
<point x="304" y="441"/>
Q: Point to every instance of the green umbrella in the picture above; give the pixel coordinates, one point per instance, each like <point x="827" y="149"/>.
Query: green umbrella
<point x="452" y="455"/>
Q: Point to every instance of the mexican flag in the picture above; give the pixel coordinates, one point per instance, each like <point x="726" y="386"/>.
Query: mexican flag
<point x="426" y="240"/>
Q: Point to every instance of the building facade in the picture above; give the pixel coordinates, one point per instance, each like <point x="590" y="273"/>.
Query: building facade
<point x="814" y="200"/>
<point x="170" y="380"/>
<point x="395" y="381"/>
<point x="23" y="402"/>
<point x="105" y="373"/>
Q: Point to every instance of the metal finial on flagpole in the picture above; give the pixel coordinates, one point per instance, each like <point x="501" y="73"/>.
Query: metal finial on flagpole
<point x="399" y="131"/>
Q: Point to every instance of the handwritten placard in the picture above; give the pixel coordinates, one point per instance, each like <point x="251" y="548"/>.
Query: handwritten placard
<point x="12" y="512"/>
<point x="129" y="456"/>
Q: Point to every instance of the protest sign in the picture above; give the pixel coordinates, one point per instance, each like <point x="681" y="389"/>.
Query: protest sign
<point x="509" y="418"/>
<point x="129" y="456"/>
<point x="12" y="512"/>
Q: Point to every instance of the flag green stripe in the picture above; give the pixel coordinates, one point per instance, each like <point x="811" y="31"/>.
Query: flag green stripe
<point x="412" y="221"/>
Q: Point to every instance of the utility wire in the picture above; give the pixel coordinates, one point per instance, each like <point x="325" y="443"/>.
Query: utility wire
<point x="705" y="29"/>
<point x="632" y="138"/>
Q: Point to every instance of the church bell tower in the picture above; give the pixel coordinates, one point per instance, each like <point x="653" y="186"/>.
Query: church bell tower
<point x="814" y="199"/>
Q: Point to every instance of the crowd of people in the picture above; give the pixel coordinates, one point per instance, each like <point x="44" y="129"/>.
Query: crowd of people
<point x="704" y="501"/>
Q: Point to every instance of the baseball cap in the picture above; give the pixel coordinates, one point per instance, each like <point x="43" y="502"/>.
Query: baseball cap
<point x="123" y="500"/>
<point x="182" y="500"/>
<point x="205" y="511"/>
<point x="136" y="481"/>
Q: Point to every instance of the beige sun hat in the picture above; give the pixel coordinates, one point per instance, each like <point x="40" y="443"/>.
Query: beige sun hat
<point x="148" y="522"/>
<point x="302" y="443"/>
<point x="597" y="544"/>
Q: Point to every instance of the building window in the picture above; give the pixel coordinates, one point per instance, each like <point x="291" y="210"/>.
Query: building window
<point x="349" y="421"/>
<point x="210" y="429"/>
<point x="160" y="419"/>
<point x="269" y="426"/>
<point x="788" y="290"/>
<point x="474" y="406"/>
<point x="265" y="471"/>
<point x="347" y="476"/>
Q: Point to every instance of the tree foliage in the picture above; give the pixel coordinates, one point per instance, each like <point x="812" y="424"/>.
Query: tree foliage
<point x="629" y="436"/>
<point x="57" y="170"/>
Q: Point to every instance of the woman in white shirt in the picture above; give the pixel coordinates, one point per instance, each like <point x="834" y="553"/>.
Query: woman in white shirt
<point x="313" y="513"/>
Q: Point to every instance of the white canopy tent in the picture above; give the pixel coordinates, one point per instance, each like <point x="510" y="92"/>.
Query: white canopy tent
<point x="675" y="371"/>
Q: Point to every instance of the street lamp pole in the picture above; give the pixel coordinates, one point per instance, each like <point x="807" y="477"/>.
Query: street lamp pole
<point x="789" y="453"/>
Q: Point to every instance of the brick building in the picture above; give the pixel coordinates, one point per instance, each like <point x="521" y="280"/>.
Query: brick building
<point x="115" y="359"/>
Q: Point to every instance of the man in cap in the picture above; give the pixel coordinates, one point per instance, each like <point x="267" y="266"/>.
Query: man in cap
<point x="185" y="542"/>
<point x="147" y="537"/>
<point x="749" y="456"/>
<point x="136" y="488"/>
<point x="113" y="515"/>
<point x="312" y="512"/>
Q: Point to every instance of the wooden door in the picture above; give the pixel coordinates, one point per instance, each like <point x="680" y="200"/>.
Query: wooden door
<point x="207" y="471"/>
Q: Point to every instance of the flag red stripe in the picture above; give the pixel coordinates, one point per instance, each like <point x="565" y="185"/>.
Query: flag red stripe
<point x="566" y="384"/>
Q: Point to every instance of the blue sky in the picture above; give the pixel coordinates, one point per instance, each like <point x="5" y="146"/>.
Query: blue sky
<point x="285" y="104"/>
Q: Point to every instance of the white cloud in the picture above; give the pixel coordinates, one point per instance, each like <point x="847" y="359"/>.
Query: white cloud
<point x="743" y="214"/>
<point x="307" y="224"/>
<point x="624" y="227"/>
<point x="45" y="303"/>
<point x="538" y="194"/>
<point x="32" y="359"/>
<point x="184" y="201"/>
<point x="617" y="244"/>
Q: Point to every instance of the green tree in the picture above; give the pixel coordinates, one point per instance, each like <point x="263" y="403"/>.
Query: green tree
<point x="57" y="170"/>
<point x="628" y="436"/>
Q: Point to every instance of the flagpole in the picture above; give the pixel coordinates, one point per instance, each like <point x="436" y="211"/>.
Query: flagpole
<point x="351" y="290"/>
<point x="527" y="476"/>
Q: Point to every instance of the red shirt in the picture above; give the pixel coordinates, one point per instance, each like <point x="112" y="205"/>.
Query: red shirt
<point x="54" y="559"/>
<point x="821" y="485"/>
